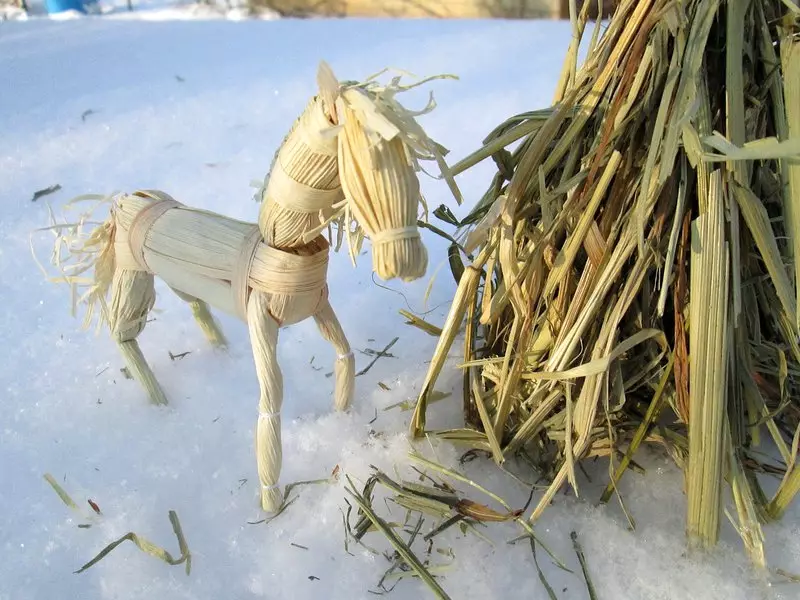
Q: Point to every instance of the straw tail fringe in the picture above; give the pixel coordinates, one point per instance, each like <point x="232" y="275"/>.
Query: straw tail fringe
<point x="84" y="254"/>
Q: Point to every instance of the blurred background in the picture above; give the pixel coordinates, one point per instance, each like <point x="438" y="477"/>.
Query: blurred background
<point x="433" y="9"/>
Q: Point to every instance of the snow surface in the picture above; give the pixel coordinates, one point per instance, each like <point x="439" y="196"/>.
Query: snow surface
<point x="198" y="109"/>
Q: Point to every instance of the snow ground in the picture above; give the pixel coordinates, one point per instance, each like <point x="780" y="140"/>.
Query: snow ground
<point x="198" y="109"/>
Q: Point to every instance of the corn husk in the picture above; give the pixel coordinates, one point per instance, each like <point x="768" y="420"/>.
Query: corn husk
<point x="631" y="278"/>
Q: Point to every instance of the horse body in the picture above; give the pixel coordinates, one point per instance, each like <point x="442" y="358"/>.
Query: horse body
<point x="214" y="258"/>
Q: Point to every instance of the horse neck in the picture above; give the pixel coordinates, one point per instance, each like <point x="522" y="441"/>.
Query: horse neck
<point x="293" y="209"/>
<point x="303" y="183"/>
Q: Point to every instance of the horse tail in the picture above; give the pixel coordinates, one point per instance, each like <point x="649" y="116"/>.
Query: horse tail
<point x="84" y="254"/>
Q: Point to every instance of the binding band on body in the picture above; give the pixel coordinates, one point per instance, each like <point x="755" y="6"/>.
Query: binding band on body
<point x="240" y="279"/>
<point x="297" y="196"/>
<point x="144" y="221"/>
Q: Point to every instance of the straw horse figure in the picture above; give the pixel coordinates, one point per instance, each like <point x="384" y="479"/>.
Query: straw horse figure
<point x="351" y="157"/>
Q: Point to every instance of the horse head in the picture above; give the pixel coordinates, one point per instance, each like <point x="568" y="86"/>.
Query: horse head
<point x="380" y="147"/>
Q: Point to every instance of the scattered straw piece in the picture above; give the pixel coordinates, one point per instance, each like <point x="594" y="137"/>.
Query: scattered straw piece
<point x="148" y="547"/>
<point x="415" y="321"/>
<point x="584" y="567"/>
<point x="402" y="548"/>
<point x="65" y="497"/>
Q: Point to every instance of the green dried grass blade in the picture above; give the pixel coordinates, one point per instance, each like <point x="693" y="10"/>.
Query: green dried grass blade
<point x="416" y="457"/>
<point x="600" y="365"/>
<point x="532" y="424"/>
<point x="486" y="421"/>
<point x="426" y="506"/>
<point x="790" y="61"/>
<point x="792" y="6"/>
<point x="570" y="68"/>
<point x="150" y="548"/>
<point x="790" y="484"/>
<point x="769" y="148"/>
<point x="648" y="188"/>
<point x="683" y="183"/>
<point x="65" y="497"/>
<point x="469" y="438"/>
<point x="691" y="80"/>
<point x="437" y="231"/>
<point x="550" y="592"/>
<point x="635" y="93"/>
<point x="399" y="545"/>
<point x="501" y="141"/>
<point x="734" y="88"/>
<point x="567" y="256"/>
<point x="749" y="527"/>
<point x="465" y="291"/>
<point x="584" y="566"/>
<point x="420" y="323"/>
<point x="758" y="222"/>
<point x="632" y="28"/>
<point x="569" y="456"/>
<point x="708" y="367"/>
<point x="653" y="412"/>
<point x="464" y="479"/>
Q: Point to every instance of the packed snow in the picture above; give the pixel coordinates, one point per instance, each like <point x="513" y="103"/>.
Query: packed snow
<point x="198" y="108"/>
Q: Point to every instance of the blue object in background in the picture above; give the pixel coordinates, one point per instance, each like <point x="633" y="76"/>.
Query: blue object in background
<point x="57" y="6"/>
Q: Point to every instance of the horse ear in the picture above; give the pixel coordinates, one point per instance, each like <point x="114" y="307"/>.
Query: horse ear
<point x="328" y="88"/>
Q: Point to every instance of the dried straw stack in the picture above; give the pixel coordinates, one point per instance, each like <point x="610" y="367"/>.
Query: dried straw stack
<point x="633" y="278"/>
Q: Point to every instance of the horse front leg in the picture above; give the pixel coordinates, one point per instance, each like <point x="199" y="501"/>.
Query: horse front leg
<point x="132" y="297"/>
<point x="344" y="371"/>
<point x="263" y="330"/>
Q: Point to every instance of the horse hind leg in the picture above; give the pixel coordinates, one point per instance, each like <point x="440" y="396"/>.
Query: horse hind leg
<point x="132" y="298"/>
<point x="331" y="330"/>
<point x="204" y="318"/>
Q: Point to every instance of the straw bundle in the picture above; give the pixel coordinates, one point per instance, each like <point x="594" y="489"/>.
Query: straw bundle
<point x="631" y="272"/>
